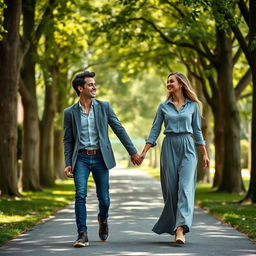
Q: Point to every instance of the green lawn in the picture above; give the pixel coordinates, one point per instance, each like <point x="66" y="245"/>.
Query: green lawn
<point x="224" y="206"/>
<point x="18" y="215"/>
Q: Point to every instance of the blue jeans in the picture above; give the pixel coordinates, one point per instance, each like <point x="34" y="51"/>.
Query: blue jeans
<point x="84" y="165"/>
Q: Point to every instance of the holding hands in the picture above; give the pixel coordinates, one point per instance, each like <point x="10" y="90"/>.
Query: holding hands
<point x="138" y="159"/>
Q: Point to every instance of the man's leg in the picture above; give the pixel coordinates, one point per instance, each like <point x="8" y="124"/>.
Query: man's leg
<point x="101" y="178"/>
<point x="81" y="174"/>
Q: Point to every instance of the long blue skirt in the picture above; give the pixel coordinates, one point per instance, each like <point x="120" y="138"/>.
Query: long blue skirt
<point x="178" y="181"/>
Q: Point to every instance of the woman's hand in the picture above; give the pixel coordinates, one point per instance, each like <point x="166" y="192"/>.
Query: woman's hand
<point x="143" y="155"/>
<point x="205" y="156"/>
<point x="206" y="161"/>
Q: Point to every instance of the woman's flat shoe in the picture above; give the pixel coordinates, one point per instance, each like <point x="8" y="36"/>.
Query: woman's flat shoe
<point x="180" y="239"/>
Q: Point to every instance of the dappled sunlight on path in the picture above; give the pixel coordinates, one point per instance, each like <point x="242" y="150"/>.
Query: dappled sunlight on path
<point x="136" y="203"/>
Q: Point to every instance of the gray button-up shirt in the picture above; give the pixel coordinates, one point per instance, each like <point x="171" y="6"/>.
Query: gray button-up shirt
<point x="89" y="138"/>
<point x="186" y="120"/>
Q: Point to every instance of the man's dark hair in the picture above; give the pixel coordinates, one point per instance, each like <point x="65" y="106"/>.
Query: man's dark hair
<point x="79" y="80"/>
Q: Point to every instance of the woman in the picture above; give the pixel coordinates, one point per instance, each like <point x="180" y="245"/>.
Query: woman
<point x="181" y="116"/>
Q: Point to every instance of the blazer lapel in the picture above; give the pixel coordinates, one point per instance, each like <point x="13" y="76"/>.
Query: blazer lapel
<point x="77" y="116"/>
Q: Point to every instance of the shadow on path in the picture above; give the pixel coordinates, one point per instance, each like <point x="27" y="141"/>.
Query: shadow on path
<point x="136" y="203"/>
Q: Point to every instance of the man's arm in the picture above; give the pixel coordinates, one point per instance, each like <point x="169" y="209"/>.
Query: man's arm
<point x="68" y="141"/>
<point x="121" y="133"/>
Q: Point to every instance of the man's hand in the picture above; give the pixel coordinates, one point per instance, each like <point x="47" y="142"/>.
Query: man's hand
<point x="136" y="159"/>
<point x="68" y="171"/>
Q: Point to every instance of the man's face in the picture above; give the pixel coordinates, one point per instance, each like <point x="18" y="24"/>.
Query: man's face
<point x="89" y="90"/>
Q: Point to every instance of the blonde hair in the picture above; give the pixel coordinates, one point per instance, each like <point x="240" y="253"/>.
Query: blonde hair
<point x="187" y="89"/>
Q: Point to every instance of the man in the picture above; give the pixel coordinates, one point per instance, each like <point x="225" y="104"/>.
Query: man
<point x="87" y="149"/>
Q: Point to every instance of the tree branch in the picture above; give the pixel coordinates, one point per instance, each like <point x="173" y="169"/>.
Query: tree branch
<point x="168" y="40"/>
<point x="24" y="92"/>
<point x="244" y="81"/>
<point x="45" y="16"/>
<point x="244" y="10"/>
<point x="202" y="80"/>
<point x="205" y="46"/>
<point x="23" y="49"/>
<point x="239" y="36"/>
<point x="204" y="87"/>
<point x="176" y="8"/>
<point x="246" y="95"/>
<point x="210" y="78"/>
<point x="208" y="51"/>
<point x="199" y="77"/>
<point x="236" y="56"/>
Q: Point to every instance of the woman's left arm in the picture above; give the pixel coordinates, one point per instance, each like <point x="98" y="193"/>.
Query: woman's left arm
<point x="198" y="136"/>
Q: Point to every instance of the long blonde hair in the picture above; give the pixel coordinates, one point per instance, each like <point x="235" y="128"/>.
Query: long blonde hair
<point x="187" y="89"/>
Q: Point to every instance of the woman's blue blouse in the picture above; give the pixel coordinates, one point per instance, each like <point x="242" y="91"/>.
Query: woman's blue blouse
<point x="186" y="120"/>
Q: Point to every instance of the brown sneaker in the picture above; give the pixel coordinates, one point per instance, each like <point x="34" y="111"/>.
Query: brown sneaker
<point x="103" y="230"/>
<point x="82" y="240"/>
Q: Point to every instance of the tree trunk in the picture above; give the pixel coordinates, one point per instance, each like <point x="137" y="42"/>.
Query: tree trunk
<point x="8" y="98"/>
<point x="31" y="135"/>
<point x="202" y="174"/>
<point x="30" y="149"/>
<point x="218" y="143"/>
<point x="249" y="161"/>
<point x="59" y="155"/>
<point x="61" y="103"/>
<point x="251" y="194"/>
<point x="47" y="174"/>
<point x="232" y="179"/>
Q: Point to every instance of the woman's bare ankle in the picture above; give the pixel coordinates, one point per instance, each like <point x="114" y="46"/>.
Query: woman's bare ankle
<point x="180" y="229"/>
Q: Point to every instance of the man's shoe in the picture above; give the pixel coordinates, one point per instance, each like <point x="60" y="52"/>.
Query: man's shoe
<point x="103" y="230"/>
<point x="82" y="240"/>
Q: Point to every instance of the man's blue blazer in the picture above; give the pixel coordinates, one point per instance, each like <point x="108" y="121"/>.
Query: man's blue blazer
<point x="104" y="116"/>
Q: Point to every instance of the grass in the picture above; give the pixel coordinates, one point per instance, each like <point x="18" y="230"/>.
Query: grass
<point x="20" y="214"/>
<point x="224" y="206"/>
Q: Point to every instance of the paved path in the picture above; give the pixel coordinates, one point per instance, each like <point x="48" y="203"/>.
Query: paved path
<point x="136" y="202"/>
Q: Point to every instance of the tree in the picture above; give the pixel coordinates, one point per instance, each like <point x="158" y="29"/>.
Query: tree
<point x="249" y="49"/>
<point x="64" y="41"/>
<point x="47" y="175"/>
<point x="245" y="34"/>
<point x="9" y="66"/>
<point x="30" y="151"/>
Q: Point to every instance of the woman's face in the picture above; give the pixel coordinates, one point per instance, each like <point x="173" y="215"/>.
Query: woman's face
<point x="172" y="84"/>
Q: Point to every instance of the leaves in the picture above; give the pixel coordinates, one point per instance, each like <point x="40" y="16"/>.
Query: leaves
<point x="2" y="7"/>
